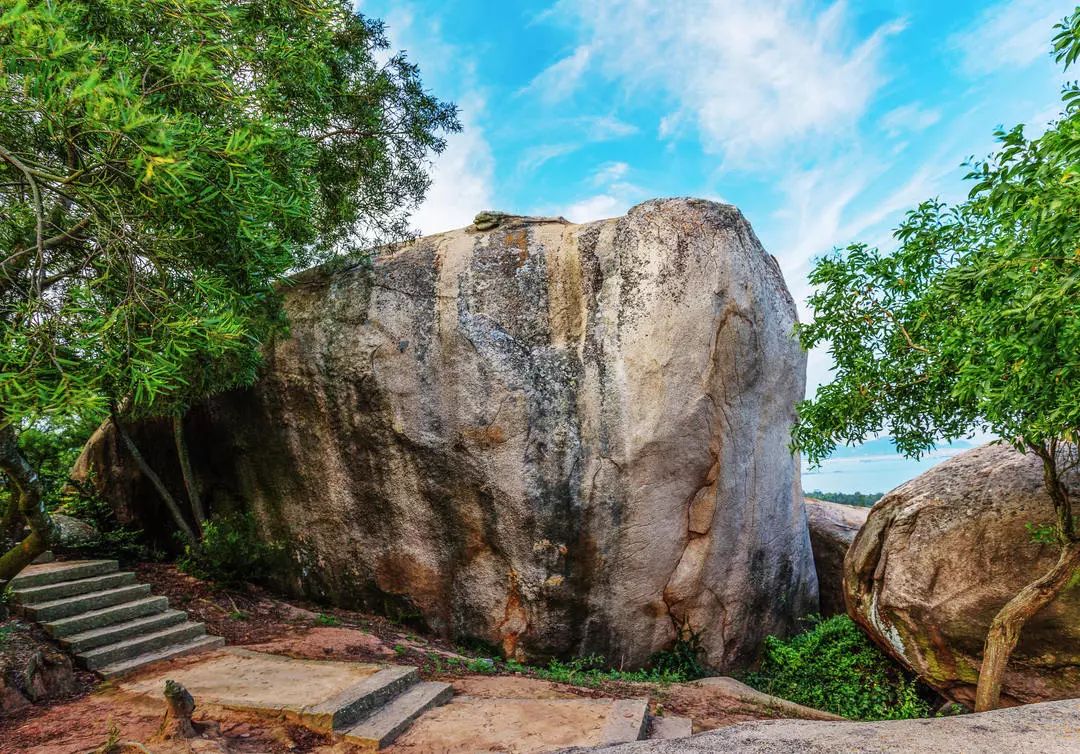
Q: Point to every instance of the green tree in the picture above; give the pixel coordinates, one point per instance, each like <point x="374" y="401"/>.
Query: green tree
<point x="972" y="322"/>
<point x="163" y="165"/>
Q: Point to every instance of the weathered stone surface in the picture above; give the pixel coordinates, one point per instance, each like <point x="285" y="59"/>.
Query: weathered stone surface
<point x="1049" y="728"/>
<point x="833" y="527"/>
<point x="555" y="438"/>
<point x="940" y="555"/>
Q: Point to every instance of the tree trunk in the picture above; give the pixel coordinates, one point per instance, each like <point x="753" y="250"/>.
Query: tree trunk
<point x="26" y="495"/>
<point x="191" y="484"/>
<point x="1005" y="629"/>
<point x="144" y="467"/>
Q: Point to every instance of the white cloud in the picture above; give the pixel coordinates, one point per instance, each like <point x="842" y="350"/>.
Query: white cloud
<point x="617" y="195"/>
<point x="561" y="79"/>
<point x="751" y="76"/>
<point x="910" y="118"/>
<point x="596" y="208"/>
<point x="463" y="176"/>
<point x="1010" y="34"/>
<point x="605" y="127"/>
<point x="532" y="158"/>
<point x="609" y="172"/>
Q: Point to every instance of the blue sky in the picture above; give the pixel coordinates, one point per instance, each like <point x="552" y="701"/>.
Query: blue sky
<point x="823" y="122"/>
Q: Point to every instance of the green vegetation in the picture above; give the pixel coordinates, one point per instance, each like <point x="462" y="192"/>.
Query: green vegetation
<point x="324" y="619"/>
<point x="848" y="498"/>
<point x="163" y="167"/>
<point x="971" y="323"/>
<point x="592" y="671"/>
<point x="834" y="667"/>
<point x="231" y="552"/>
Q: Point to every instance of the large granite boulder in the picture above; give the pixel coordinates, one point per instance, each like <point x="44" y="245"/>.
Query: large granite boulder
<point x="940" y="555"/>
<point x="833" y="527"/>
<point x="554" y="438"/>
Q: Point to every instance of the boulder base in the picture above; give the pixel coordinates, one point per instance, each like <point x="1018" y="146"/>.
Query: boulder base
<point x="557" y="439"/>
<point x="940" y="555"/>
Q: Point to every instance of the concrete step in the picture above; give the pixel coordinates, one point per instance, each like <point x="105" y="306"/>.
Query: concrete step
<point x="129" y="649"/>
<point x="66" y="570"/>
<point x="360" y="700"/>
<point x="49" y="592"/>
<point x="68" y="606"/>
<point x="106" y="616"/>
<point x="389" y="722"/>
<point x="670" y="726"/>
<point x="117" y="632"/>
<point x="201" y="644"/>
<point x="627" y="721"/>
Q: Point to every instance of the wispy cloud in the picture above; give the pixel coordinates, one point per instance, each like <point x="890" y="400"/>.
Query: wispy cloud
<point x="910" y="118"/>
<point x="560" y="79"/>
<point x="749" y="76"/>
<point x="609" y="172"/>
<point x="617" y="194"/>
<point x="1009" y="34"/>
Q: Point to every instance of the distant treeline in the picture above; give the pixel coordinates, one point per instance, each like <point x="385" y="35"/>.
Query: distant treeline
<point x="848" y="498"/>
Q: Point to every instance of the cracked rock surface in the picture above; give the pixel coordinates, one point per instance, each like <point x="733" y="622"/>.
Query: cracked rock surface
<point x="554" y="438"/>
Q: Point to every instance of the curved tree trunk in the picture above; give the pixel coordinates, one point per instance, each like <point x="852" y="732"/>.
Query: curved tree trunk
<point x="191" y="484"/>
<point x="144" y="467"/>
<point x="1005" y="629"/>
<point x="26" y="496"/>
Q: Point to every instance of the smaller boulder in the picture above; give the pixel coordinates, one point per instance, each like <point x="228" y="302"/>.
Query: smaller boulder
<point x="833" y="527"/>
<point x="72" y="533"/>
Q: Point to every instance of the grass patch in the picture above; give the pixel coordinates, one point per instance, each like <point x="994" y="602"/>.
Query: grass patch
<point x="833" y="666"/>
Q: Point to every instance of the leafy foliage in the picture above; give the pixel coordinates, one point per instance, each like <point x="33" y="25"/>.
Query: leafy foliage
<point x="863" y="499"/>
<point x="834" y="667"/>
<point x="684" y="659"/>
<point x="232" y="552"/>
<point x="971" y="323"/>
<point x="164" y="163"/>
<point x="52" y="446"/>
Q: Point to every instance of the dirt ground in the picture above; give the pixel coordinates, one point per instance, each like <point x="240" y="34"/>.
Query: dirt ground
<point x="256" y="619"/>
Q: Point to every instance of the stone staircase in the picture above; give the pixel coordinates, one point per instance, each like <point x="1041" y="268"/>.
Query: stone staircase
<point x="103" y="616"/>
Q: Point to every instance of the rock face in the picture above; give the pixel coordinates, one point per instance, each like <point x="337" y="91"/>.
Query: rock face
<point x="940" y="555"/>
<point x="554" y="438"/>
<point x="1048" y="728"/>
<point x="832" y="530"/>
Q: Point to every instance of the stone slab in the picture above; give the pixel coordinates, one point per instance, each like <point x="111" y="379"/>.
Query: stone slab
<point x="670" y="726"/>
<point x="474" y="725"/>
<point x="261" y="683"/>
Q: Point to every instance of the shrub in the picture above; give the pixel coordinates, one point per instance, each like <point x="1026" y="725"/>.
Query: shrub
<point x="683" y="659"/>
<point x="231" y="552"/>
<point x="833" y="666"/>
